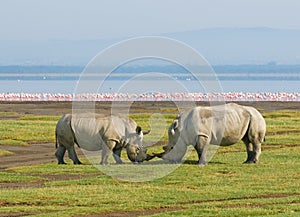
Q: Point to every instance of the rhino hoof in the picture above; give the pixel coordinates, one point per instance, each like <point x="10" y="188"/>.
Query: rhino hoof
<point x="202" y="164"/>
<point x="251" y="162"/>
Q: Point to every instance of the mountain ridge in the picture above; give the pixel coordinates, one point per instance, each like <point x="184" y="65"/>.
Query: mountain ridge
<point x="220" y="46"/>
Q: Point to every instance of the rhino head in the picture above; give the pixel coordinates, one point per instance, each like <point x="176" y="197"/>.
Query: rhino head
<point x="175" y="149"/>
<point x="135" y="150"/>
<point x="137" y="154"/>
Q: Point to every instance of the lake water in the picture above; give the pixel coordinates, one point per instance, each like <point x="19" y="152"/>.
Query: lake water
<point x="69" y="86"/>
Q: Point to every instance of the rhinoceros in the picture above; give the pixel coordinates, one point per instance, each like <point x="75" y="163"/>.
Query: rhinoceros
<point x="93" y="132"/>
<point x="217" y="125"/>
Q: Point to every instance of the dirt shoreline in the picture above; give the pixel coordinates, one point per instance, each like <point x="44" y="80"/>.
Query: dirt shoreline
<point x="60" y="108"/>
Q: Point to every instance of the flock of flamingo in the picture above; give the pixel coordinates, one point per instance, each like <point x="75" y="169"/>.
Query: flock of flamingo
<point x="27" y="97"/>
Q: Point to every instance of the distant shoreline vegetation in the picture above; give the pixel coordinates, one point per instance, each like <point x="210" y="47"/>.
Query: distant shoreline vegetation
<point x="223" y="72"/>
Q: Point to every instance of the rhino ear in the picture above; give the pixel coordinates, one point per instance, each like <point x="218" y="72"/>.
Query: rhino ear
<point x="175" y="124"/>
<point x="174" y="127"/>
<point x="172" y="132"/>
<point x="179" y="115"/>
<point x="138" y="130"/>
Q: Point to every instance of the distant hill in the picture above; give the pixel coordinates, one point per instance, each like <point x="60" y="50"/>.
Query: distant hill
<point x="220" y="46"/>
<point x="244" y="45"/>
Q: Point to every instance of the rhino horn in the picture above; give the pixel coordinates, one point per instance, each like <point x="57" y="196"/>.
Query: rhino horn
<point x="149" y="157"/>
<point x="159" y="155"/>
<point x="146" y="132"/>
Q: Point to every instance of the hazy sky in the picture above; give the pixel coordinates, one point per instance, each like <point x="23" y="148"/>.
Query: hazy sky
<point x="97" y="19"/>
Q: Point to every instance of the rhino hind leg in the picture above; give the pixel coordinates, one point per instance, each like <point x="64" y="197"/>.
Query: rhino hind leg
<point x="73" y="155"/>
<point x="253" y="150"/>
<point x="60" y="153"/>
<point x="201" y="148"/>
<point x="256" y="151"/>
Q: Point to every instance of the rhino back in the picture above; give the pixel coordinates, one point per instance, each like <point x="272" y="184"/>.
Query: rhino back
<point x="129" y="125"/>
<point x="224" y="125"/>
<point x="236" y="124"/>
<point x="93" y="132"/>
<point x="87" y="131"/>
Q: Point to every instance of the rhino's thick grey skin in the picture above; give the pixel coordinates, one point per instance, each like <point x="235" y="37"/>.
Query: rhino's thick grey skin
<point x="218" y="125"/>
<point x="94" y="132"/>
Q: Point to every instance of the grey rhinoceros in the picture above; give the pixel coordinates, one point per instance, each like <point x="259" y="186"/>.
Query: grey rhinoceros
<point x="93" y="132"/>
<point x="222" y="125"/>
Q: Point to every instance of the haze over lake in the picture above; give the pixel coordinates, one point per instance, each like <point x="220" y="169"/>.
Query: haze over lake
<point x="232" y="78"/>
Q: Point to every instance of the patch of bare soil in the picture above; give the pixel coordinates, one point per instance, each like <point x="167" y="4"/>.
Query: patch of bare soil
<point x="45" y="178"/>
<point x="60" y="108"/>
<point x="133" y="213"/>
<point x="176" y="208"/>
<point x="16" y="214"/>
<point x="266" y="196"/>
<point x="32" y="155"/>
<point x="28" y="155"/>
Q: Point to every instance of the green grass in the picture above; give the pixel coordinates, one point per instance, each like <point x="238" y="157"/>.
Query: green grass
<point x="5" y="152"/>
<point x="26" y="129"/>
<point x="29" y="128"/>
<point x="9" y="113"/>
<point x="8" y="177"/>
<point x="225" y="187"/>
<point x="13" y="142"/>
<point x="157" y="123"/>
<point x="39" y="118"/>
<point x="283" y="128"/>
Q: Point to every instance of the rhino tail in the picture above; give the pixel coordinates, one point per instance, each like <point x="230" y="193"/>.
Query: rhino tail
<point x="73" y="134"/>
<point x="56" y="142"/>
<point x="75" y="140"/>
<point x="262" y="137"/>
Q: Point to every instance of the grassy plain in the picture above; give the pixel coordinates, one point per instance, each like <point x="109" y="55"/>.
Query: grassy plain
<point x="225" y="187"/>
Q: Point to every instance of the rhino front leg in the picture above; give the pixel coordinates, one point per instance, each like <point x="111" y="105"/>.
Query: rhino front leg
<point x="201" y="148"/>
<point x="106" y="150"/>
<point x="117" y="155"/>
<point x="60" y="153"/>
<point x="105" y="155"/>
<point x="73" y="156"/>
